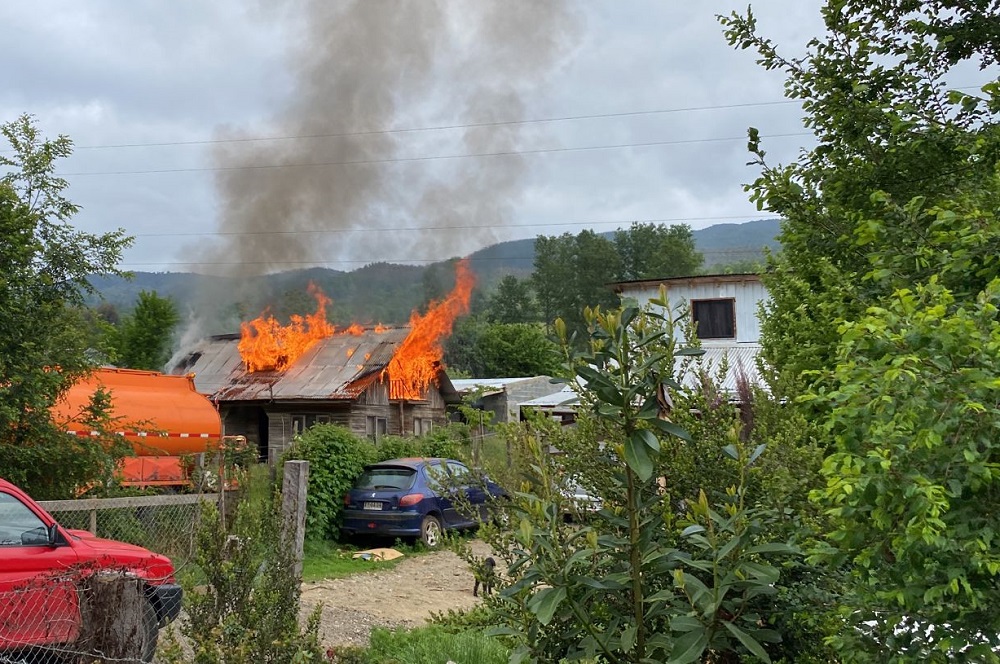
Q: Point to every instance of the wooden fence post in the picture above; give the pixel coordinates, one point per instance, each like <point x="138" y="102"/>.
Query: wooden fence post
<point x="293" y="507"/>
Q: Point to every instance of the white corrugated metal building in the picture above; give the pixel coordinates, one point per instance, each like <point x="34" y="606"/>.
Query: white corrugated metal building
<point x="723" y="310"/>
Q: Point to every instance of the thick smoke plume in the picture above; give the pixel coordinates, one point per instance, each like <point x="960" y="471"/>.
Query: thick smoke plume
<point x="342" y="197"/>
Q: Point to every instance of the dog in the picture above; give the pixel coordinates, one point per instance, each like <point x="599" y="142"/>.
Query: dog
<point x="485" y="575"/>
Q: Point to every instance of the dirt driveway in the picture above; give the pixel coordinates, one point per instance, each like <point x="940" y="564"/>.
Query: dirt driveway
<point x="404" y="596"/>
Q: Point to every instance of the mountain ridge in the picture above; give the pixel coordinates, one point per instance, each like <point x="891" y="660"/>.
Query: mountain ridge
<point x="382" y="292"/>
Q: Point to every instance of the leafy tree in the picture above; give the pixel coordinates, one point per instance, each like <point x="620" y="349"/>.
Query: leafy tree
<point x="460" y="354"/>
<point x="516" y="349"/>
<point x="874" y="90"/>
<point x="45" y="265"/>
<point x="478" y="349"/>
<point x="655" y="251"/>
<point x="884" y="301"/>
<point x="915" y="482"/>
<point x="512" y="302"/>
<point x="144" y="337"/>
<point x="573" y="272"/>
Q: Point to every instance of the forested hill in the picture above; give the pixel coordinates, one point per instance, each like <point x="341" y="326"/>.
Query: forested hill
<point x="384" y="292"/>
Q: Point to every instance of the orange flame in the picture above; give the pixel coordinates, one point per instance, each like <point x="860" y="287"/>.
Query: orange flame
<point x="265" y="344"/>
<point x="417" y="361"/>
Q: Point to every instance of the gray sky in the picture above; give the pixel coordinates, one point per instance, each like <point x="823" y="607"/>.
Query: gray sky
<point x="121" y="77"/>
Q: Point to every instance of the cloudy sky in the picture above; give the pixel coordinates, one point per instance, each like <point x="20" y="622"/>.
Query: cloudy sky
<point x="230" y="136"/>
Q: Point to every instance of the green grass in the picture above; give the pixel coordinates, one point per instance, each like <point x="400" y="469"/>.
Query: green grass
<point x="330" y="560"/>
<point x="434" y="645"/>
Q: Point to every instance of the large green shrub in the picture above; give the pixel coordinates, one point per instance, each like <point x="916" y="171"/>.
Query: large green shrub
<point x="336" y="458"/>
<point x="448" y="442"/>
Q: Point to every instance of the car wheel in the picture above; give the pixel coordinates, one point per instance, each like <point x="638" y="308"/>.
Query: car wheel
<point x="151" y="632"/>
<point x="430" y="531"/>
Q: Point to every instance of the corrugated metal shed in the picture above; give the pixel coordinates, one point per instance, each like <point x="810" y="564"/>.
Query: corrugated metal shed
<point x="489" y="385"/>
<point x="746" y="291"/>
<point x="338" y="367"/>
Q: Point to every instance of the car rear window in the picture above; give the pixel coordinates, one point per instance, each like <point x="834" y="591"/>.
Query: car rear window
<point x="386" y="478"/>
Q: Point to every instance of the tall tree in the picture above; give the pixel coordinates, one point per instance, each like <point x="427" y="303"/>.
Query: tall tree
<point x="889" y="130"/>
<point x="573" y="272"/>
<point x="45" y="265"/>
<point x="512" y="302"/>
<point x="145" y="336"/>
<point x="509" y="350"/>
<point x="655" y="251"/>
<point x="884" y="304"/>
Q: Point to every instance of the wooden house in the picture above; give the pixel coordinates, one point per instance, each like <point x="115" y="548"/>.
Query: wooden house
<point x="341" y="379"/>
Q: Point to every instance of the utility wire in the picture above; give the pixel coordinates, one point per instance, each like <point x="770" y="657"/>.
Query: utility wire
<point x="325" y="231"/>
<point x="395" y="160"/>
<point x="396" y="261"/>
<point x="471" y="125"/>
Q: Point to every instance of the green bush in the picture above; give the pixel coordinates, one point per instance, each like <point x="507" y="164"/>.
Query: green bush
<point x="449" y="442"/>
<point x="336" y="458"/>
<point x="397" y="447"/>
<point x="245" y="607"/>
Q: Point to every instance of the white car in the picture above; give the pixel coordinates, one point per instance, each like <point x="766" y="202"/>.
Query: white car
<point x="579" y="501"/>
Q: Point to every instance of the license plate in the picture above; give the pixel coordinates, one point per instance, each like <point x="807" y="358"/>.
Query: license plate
<point x="373" y="506"/>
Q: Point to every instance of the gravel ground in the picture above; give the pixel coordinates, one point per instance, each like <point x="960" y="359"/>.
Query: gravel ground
<point x="404" y="596"/>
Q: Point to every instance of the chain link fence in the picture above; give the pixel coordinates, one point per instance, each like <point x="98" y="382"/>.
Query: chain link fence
<point x="66" y="611"/>
<point x="163" y="524"/>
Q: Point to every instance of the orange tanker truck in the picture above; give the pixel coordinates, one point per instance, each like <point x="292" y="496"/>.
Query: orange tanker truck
<point x="165" y="419"/>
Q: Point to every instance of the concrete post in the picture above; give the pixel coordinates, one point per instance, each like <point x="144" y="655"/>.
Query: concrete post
<point x="293" y="507"/>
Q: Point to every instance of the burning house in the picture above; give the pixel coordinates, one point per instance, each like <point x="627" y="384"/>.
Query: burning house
<point x="273" y="381"/>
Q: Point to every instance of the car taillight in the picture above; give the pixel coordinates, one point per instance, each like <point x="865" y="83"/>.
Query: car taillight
<point x="347" y="500"/>
<point x="410" y="499"/>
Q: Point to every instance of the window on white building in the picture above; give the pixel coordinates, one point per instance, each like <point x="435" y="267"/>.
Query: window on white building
<point x="714" y="319"/>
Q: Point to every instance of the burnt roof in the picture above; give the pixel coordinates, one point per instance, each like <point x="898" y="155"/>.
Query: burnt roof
<point x="339" y="367"/>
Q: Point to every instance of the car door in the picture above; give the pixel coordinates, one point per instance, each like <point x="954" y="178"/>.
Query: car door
<point x="38" y="597"/>
<point x="439" y="481"/>
<point x="474" y="495"/>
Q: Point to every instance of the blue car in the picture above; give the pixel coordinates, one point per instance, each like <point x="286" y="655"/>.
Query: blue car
<point x="417" y="498"/>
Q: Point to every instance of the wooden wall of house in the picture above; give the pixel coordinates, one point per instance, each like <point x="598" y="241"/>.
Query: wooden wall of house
<point x="282" y="425"/>
<point x="279" y="434"/>
<point x="399" y="415"/>
<point x="284" y="420"/>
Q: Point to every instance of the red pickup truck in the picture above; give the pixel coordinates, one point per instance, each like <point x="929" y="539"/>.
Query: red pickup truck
<point x="54" y="587"/>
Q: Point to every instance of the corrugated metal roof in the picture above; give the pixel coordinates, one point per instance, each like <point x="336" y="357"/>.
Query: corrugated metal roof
<point x="491" y="385"/>
<point x="334" y="368"/>
<point x="565" y="396"/>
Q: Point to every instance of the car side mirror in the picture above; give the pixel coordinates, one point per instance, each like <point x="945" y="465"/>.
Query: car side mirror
<point x="40" y="536"/>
